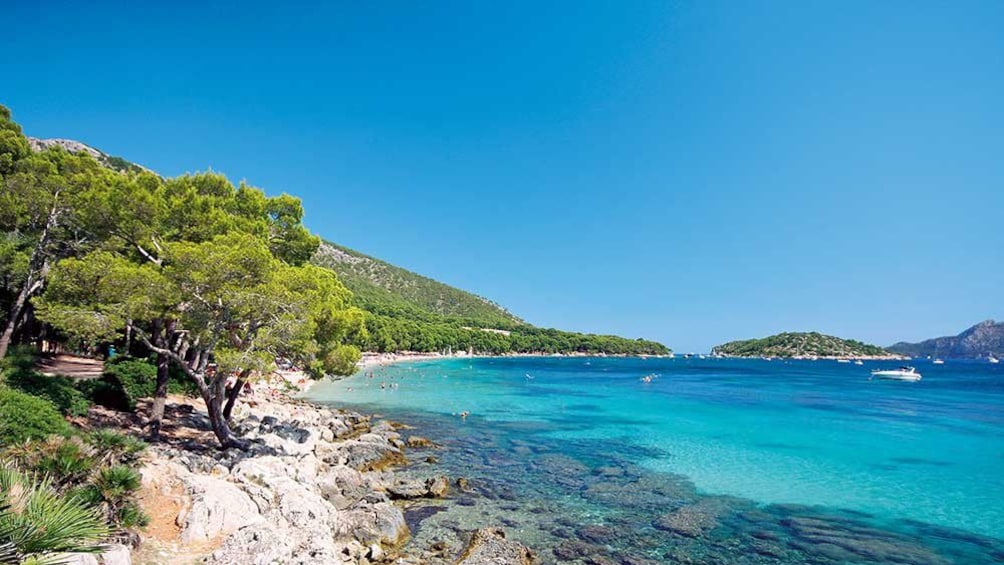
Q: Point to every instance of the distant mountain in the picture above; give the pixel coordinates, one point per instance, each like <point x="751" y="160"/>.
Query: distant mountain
<point x="377" y="283"/>
<point x="978" y="341"/>
<point x="800" y="345"/>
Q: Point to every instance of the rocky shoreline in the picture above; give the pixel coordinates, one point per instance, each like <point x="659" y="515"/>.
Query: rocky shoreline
<point x="318" y="485"/>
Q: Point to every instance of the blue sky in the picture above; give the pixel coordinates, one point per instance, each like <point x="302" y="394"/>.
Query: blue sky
<point x="692" y="172"/>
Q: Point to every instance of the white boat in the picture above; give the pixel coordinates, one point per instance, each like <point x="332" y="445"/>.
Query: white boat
<point x="843" y="360"/>
<point x="901" y="374"/>
<point x="938" y="362"/>
<point x="992" y="359"/>
<point x="859" y="362"/>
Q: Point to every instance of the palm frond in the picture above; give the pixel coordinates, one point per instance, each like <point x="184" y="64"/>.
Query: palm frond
<point x="41" y="524"/>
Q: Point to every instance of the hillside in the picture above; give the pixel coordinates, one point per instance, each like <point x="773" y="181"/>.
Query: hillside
<point x="800" y="345"/>
<point x="983" y="339"/>
<point x="407" y="311"/>
<point x="380" y="285"/>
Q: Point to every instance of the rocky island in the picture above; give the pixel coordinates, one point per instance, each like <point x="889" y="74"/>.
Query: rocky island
<point x="803" y="345"/>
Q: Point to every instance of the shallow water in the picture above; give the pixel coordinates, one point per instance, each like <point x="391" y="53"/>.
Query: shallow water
<point x="729" y="461"/>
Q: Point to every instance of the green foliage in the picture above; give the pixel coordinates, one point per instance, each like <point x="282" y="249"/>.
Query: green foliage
<point x="62" y="392"/>
<point x="19" y="360"/>
<point x="96" y="469"/>
<point x="40" y="522"/>
<point x="794" y="344"/>
<point x="380" y="285"/>
<point x="113" y="447"/>
<point x="25" y="417"/>
<point x="65" y="460"/>
<point x="117" y="482"/>
<point x="108" y="393"/>
<point x="409" y="312"/>
<point x="19" y="373"/>
<point x="135" y="377"/>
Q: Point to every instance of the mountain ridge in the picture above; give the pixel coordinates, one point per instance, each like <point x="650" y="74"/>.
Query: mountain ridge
<point x="977" y="341"/>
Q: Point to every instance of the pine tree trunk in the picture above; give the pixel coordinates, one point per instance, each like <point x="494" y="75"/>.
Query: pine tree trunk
<point x="38" y="267"/>
<point x="12" y="317"/>
<point x="214" y="405"/>
<point x="234" y="393"/>
<point x="161" y="333"/>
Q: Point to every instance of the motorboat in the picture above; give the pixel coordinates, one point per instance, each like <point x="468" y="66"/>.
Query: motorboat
<point x="858" y="362"/>
<point x="649" y="378"/>
<point x="938" y="362"/>
<point x="993" y="360"/>
<point x="843" y="360"/>
<point x="901" y="374"/>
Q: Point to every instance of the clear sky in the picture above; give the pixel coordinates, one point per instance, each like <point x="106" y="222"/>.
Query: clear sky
<point x="692" y="172"/>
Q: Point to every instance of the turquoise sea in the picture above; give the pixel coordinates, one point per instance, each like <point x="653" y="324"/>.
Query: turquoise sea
<point x="713" y="461"/>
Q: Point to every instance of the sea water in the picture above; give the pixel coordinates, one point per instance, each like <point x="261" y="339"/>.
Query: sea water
<point x="714" y="460"/>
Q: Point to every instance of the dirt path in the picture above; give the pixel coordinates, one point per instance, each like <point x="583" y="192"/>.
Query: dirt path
<point x="71" y="366"/>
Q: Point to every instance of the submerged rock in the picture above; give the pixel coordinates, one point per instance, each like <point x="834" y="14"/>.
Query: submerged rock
<point x="429" y="488"/>
<point x="418" y="442"/>
<point x="489" y="546"/>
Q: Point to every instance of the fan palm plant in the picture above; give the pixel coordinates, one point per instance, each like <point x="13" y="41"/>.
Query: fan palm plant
<point x="37" y="525"/>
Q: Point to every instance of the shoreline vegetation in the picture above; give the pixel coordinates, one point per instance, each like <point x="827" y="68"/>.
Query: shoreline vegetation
<point x="804" y="345"/>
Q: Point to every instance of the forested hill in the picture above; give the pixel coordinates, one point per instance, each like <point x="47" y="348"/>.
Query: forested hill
<point x="404" y="310"/>
<point x="983" y="339"/>
<point x="407" y="311"/>
<point x="800" y="345"/>
<point x="380" y="286"/>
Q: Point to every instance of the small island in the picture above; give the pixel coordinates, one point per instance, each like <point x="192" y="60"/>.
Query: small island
<point x="803" y="345"/>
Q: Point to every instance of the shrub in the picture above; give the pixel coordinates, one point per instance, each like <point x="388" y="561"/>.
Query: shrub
<point x="19" y="359"/>
<point x="25" y="417"/>
<point x="131" y="515"/>
<point x="107" y="393"/>
<point x="114" y="447"/>
<point x="64" y="460"/>
<point x="117" y="482"/>
<point x="137" y="378"/>
<point x="37" y="522"/>
<point x="61" y="391"/>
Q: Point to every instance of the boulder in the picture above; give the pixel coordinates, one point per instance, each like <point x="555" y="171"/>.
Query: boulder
<point x="343" y="486"/>
<point x="261" y="544"/>
<point x="436" y="487"/>
<point x="363" y="455"/>
<point x="116" y="554"/>
<point x="489" y="546"/>
<point x="219" y="507"/>
<point x="369" y="523"/>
